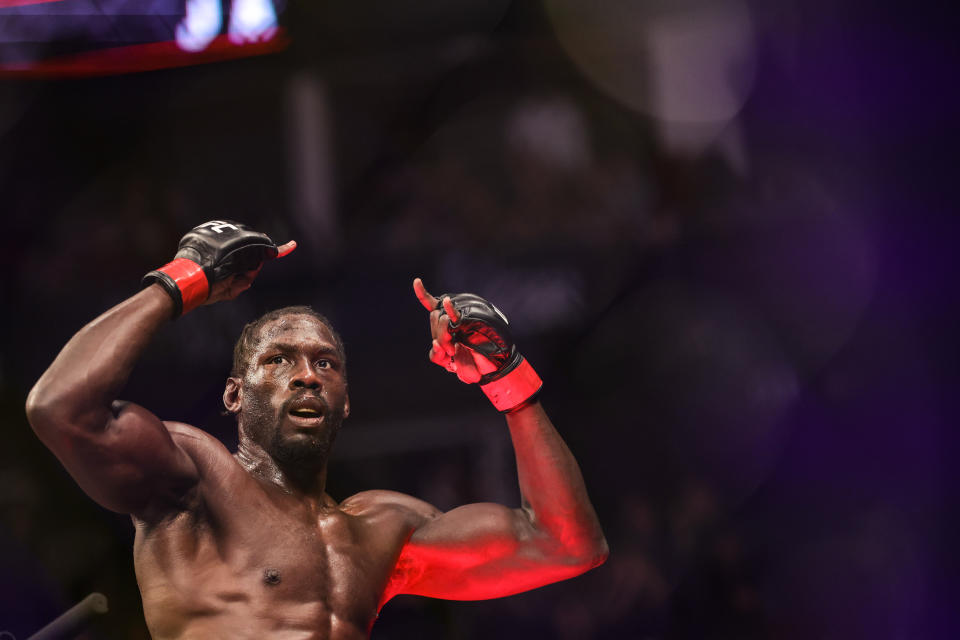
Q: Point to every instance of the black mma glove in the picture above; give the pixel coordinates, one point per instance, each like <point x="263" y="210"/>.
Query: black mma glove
<point x="209" y="253"/>
<point x="484" y="329"/>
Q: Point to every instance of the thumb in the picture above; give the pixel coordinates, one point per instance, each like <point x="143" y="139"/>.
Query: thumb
<point x="286" y="249"/>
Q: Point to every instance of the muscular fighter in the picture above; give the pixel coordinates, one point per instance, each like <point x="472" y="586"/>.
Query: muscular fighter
<point x="249" y="544"/>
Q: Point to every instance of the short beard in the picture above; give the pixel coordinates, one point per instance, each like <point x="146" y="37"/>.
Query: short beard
<point x="304" y="458"/>
<point x="301" y="459"/>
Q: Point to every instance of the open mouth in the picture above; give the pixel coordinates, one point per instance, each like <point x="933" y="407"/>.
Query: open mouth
<point x="306" y="411"/>
<point x="305" y="417"/>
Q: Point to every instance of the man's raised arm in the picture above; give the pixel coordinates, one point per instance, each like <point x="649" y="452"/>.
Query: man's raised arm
<point x="487" y="550"/>
<point x="119" y="453"/>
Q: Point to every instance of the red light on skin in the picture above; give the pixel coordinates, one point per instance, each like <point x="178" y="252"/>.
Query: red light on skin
<point x="484" y="550"/>
<point x="489" y="569"/>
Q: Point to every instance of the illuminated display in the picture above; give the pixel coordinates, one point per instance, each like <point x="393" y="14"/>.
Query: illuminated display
<point x="87" y="37"/>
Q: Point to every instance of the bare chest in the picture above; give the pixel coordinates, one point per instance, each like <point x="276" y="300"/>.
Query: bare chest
<point x="250" y="557"/>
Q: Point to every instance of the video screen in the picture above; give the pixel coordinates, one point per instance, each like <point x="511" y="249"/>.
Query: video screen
<point x="101" y="37"/>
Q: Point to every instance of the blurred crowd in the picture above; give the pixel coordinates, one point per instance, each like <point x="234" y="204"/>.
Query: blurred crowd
<point x="704" y="276"/>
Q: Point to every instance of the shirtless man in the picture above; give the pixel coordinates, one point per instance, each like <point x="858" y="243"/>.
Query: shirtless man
<point x="249" y="545"/>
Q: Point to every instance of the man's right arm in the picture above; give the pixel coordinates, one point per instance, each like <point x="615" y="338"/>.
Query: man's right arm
<point x="122" y="455"/>
<point x="119" y="453"/>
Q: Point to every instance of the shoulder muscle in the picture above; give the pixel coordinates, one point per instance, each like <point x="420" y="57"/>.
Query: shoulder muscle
<point x="378" y="498"/>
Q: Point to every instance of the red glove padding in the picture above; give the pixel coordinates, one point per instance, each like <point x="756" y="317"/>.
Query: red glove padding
<point x="515" y="389"/>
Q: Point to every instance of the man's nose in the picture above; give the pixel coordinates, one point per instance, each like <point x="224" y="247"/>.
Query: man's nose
<point x="305" y="377"/>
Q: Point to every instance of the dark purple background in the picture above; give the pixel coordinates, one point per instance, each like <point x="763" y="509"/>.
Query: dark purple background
<point x="758" y="380"/>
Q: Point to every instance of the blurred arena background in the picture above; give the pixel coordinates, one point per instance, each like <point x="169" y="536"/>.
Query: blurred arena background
<point x="723" y="231"/>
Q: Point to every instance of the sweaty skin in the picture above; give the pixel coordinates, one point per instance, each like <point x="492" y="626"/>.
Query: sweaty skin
<point x="245" y="559"/>
<point x="250" y="545"/>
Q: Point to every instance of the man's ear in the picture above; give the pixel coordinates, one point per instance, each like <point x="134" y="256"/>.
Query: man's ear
<point x="346" y="406"/>
<point x="231" y="395"/>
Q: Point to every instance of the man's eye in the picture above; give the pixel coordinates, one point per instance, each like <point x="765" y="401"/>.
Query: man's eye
<point x="275" y="360"/>
<point x="324" y="364"/>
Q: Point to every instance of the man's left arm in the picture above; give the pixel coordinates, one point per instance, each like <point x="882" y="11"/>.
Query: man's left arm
<point x="487" y="550"/>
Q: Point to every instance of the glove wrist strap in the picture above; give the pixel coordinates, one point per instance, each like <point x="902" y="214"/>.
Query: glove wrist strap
<point x="515" y="388"/>
<point x="184" y="281"/>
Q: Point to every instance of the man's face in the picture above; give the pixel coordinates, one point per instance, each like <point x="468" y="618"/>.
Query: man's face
<point x="293" y="395"/>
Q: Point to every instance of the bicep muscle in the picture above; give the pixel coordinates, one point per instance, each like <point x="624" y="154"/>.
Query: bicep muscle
<point x="478" y="551"/>
<point x="132" y="463"/>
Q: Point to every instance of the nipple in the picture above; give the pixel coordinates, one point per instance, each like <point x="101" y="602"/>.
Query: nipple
<point x="271" y="576"/>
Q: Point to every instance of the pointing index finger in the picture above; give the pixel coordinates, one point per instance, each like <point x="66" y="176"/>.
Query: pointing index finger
<point x="427" y="300"/>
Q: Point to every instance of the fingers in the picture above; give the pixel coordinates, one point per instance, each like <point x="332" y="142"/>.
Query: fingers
<point x="438" y="326"/>
<point x="461" y="362"/>
<point x="444" y="351"/>
<point x="465" y="367"/>
<point x="437" y="354"/>
<point x="441" y="332"/>
<point x="439" y="357"/>
<point x="239" y="287"/>
<point x="427" y="300"/>
<point x="286" y="249"/>
<point x="240" y="283"/>
<point x="451" y="310"/>
<point x="469" y="365"/>
<point x="231" y="287"/>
